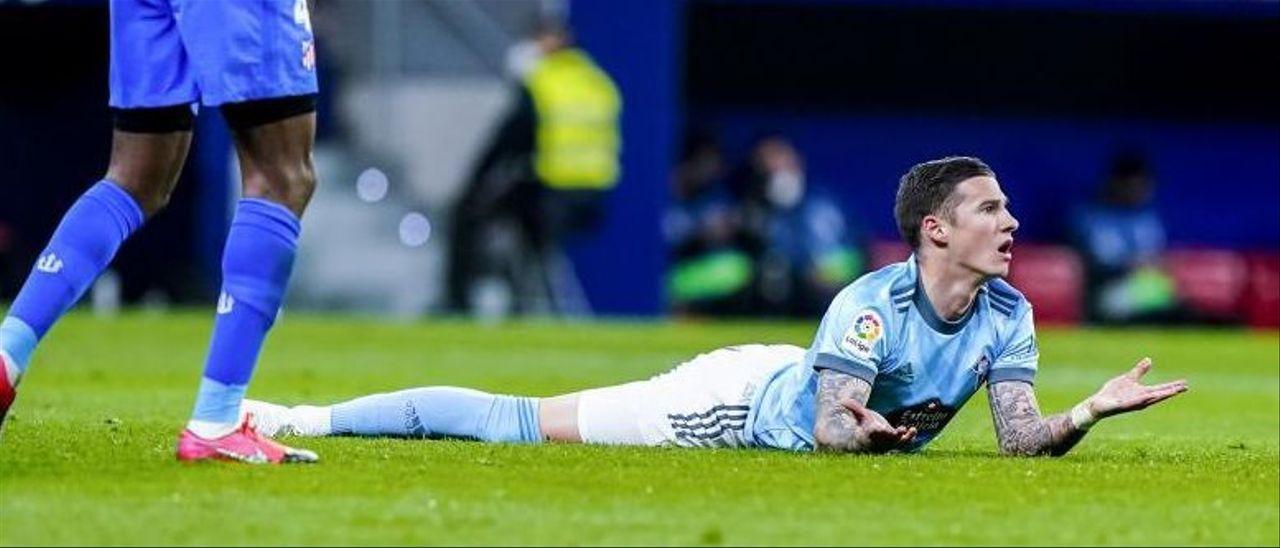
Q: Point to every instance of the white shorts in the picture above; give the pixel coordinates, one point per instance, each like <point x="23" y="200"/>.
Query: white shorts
<point x="704" y="402"/>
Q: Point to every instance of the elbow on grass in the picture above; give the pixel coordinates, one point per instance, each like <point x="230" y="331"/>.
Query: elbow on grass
<point x="831" y="440"/>
<point x="1027" y="450"/>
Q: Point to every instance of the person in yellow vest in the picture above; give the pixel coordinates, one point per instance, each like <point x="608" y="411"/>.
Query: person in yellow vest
<point x="548" y="168"/>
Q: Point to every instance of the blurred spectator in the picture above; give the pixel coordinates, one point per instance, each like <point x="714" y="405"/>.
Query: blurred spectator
<point x="546" y="172"/>
<point x="1122" y="239"/>
<point x="711" y="271"/>
<point x="804" y="248"/>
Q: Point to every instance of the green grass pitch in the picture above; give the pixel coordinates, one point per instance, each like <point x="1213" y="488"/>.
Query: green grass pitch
<point x="88" y="456"/>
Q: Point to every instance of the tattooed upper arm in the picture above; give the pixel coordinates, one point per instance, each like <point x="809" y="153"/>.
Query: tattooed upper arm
<point x="1019" y="426"/>
<point x="835" y="428"/>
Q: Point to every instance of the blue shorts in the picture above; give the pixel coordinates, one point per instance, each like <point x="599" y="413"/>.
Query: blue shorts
<point x="174" y="52"/>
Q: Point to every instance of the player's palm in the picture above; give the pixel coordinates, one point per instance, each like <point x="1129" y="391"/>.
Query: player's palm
<point x="1127" y="393"/>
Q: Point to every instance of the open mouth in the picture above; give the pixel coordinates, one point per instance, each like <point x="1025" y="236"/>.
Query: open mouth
<point x="1006" y="250"/>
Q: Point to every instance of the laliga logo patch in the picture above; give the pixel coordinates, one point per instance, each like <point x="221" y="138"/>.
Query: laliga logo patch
<point x="867" y="326"/>
<point x="861" y="338"/>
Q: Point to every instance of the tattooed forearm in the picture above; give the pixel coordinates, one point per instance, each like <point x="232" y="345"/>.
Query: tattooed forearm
<point x="1020" y="428"/>
<point x="835" y="428"/>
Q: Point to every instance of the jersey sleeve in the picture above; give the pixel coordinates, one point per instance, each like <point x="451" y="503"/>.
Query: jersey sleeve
<point x="851" y="338"/>
<point x="1020" y="357"/>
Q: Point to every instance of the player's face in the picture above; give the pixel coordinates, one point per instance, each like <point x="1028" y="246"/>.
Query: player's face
<point x="981" y="232"/>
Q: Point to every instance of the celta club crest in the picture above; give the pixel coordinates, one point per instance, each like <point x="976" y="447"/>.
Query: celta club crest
<point x="981" y="366"/>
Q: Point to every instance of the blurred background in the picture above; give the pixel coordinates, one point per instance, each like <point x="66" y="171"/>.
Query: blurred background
<point x="701" y="158"/>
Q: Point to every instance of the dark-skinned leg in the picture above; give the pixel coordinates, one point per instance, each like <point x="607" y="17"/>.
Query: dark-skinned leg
<point x="278" y="179"/>
<point x="147" y="165"/>
<point x="144" y="168"/>
<point x="275" y="161"/>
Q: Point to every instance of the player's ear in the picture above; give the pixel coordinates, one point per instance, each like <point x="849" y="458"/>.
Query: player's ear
<point x="935" y="230"/>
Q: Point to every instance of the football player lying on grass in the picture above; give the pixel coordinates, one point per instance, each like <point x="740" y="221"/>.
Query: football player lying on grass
<point x="897" y="354"/>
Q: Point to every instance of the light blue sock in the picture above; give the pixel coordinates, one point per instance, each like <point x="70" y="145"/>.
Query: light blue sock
<point x="18" y="340"/>
<point x="83" y="245"/>
<point x="440" y="412"/>
<point x="217" y="402"/>
<point x="256" y="265"/>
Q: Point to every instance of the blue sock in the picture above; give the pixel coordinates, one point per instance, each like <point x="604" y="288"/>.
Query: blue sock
<point x="81" y="247"/>
<point x="256" y="265"/>
<point x="440" y="411"/>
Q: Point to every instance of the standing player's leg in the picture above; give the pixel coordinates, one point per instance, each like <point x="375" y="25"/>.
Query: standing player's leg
<point x="148" y="149"/>
<point x="151" y="93"/>
<point x="255" y="61"/>
<point x="273" y="142"/>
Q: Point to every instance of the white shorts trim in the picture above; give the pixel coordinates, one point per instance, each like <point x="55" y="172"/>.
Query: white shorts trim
<point x="704" y="402"/>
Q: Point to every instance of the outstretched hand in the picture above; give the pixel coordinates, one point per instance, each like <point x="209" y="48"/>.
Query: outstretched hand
<point x="1127" y="393"/>
<point x="875" y="434"/>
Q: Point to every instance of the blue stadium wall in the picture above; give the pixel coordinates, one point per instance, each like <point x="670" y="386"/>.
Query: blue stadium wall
<point x="638" y="43"/>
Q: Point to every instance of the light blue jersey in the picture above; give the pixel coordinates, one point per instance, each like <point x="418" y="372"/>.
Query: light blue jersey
<point x="882" y="329"/>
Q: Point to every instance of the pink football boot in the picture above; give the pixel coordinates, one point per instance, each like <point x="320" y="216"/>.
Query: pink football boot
<point x="244" y="444"/>
<point x="8" y="385"/>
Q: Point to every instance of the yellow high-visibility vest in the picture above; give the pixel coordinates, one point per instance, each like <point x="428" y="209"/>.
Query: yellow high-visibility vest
<point x="577" y="137"/>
